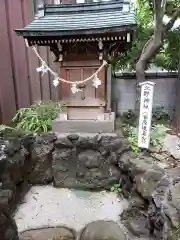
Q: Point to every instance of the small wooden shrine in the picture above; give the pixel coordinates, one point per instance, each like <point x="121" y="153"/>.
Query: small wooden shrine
<point x="82" y="38"/>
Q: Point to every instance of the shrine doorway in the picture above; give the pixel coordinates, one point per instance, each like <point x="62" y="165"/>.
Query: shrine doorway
<point x="90" y="101"/>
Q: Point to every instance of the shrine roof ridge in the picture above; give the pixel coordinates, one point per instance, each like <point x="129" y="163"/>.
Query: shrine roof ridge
<point x="81" y="19"/>
<point x="81" y="7"/>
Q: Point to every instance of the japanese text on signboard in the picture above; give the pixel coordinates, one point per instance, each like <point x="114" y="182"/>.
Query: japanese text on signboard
<point x="145" y="114"/>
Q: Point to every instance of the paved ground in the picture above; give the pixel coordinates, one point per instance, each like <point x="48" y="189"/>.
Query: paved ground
<point x="45" y="206"/>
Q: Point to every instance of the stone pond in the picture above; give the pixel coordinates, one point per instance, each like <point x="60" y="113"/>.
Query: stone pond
<point x="57" y="188"/>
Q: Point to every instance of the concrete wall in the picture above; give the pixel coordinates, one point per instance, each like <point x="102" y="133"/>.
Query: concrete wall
<point x="124" y="91"/>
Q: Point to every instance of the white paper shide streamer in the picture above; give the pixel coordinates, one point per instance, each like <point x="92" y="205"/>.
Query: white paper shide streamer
<point x="96" y="82"/>
<point x="56" y="81"/>
<point x="74" y="88"/>
<point x="43" y="69"/>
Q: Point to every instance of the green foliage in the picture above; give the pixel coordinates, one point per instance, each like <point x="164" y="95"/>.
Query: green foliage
<point x="144" y="20"/>
<point x="116" y="188"/>
<point x="160" y="115"/>
<point x="158" y="133"/>
<point x="38" y="117"/>
<point x="144" y="13"/>
<point x="174" y="234"/>
<point x="169" y="55"/>
<point x="128" y="117"/>
<point x="5" y="128"/>
<point x="8" y="132"/>
<point x="133" y="138"/>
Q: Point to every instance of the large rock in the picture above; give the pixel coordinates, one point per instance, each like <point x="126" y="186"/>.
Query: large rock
<point x="41" y="156"/>
<point x="57" y="233"/>
<point x="8" y="228"/>
<point x="146" y="183"/>
<point x="103" y="230"/>
<point x="139" y="173"/>
<point x="167" y="196"/>
<point x="172" y="145"/>
<point x="134" y="217"/>
<point x="138" y="226"/>
<point x="86" y="162"/>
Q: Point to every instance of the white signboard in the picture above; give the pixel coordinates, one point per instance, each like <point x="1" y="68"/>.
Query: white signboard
<point x="147" y="92"/>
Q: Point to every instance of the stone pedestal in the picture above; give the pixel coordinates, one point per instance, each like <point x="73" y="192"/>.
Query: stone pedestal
<point x="86" y="162"/>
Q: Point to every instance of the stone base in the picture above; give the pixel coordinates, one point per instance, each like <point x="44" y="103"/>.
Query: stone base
<point x="86" y="161"/>
<point x="101" y="125"/>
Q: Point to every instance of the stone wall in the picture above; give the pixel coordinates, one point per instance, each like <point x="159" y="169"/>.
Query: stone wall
<point x="90" y="162"/>
<point x="87" y="162"/>
<point x="22" y="162"/>
<point x="154" y="195"/>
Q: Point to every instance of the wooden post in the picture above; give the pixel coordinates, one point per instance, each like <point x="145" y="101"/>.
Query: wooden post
<point x="109" y="87"/>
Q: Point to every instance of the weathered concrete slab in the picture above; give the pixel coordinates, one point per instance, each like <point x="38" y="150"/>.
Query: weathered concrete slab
<point x="45" y="206"/>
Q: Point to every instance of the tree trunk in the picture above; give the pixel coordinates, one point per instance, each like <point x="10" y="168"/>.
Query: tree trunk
<point x="149" y="50"/>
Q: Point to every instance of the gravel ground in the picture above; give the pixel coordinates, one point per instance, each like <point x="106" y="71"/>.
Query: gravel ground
<point x="46" y="206"/>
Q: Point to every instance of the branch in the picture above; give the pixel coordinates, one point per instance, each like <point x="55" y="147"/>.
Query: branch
<point x="160" y="7"/>
<point x="170" y="24"/>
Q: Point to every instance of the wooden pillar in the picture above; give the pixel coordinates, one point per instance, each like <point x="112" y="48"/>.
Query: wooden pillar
<point x="109" y="87"/>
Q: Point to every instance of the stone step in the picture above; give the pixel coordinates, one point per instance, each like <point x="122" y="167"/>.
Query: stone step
<point x="84" y="126"/>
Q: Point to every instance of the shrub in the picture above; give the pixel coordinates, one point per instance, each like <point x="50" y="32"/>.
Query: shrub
<point x="129" y="117"/>
<point x="38" y="117"/>
<point x="116" y="188"/>
<point x="158" y="133"/>
<point x="132" y="133"/>
<point x="160" y="115"/>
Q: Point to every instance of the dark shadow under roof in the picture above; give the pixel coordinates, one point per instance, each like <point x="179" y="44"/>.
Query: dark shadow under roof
<point x="79" y="19"/>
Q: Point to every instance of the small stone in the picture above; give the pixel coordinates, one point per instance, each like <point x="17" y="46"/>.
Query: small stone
<point x="136" y="201"/>
<point x="158" y="156"/>
<point x="102" y="230"/>
<point x="155" y="149"/>
<point x="73" y="137"/>
<point x="138" y="227"/>
<point x="63" y="143"/>
<point x="113" y="158"/>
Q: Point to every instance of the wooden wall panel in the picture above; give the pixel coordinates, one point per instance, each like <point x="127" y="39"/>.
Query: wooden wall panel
<point x="20" y="83"/>
<point x="32" y="61"/>
<point x="19" y="56"/>
<point x="7" y="88"/>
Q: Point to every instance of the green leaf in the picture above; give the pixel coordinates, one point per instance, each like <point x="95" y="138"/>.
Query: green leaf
<point x="38" y="117"/>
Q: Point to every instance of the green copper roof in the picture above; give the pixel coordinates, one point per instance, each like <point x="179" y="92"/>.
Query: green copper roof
<point x="81" y="19"/>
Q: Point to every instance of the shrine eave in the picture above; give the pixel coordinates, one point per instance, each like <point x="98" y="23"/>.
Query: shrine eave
<point x="85" y="33"/>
